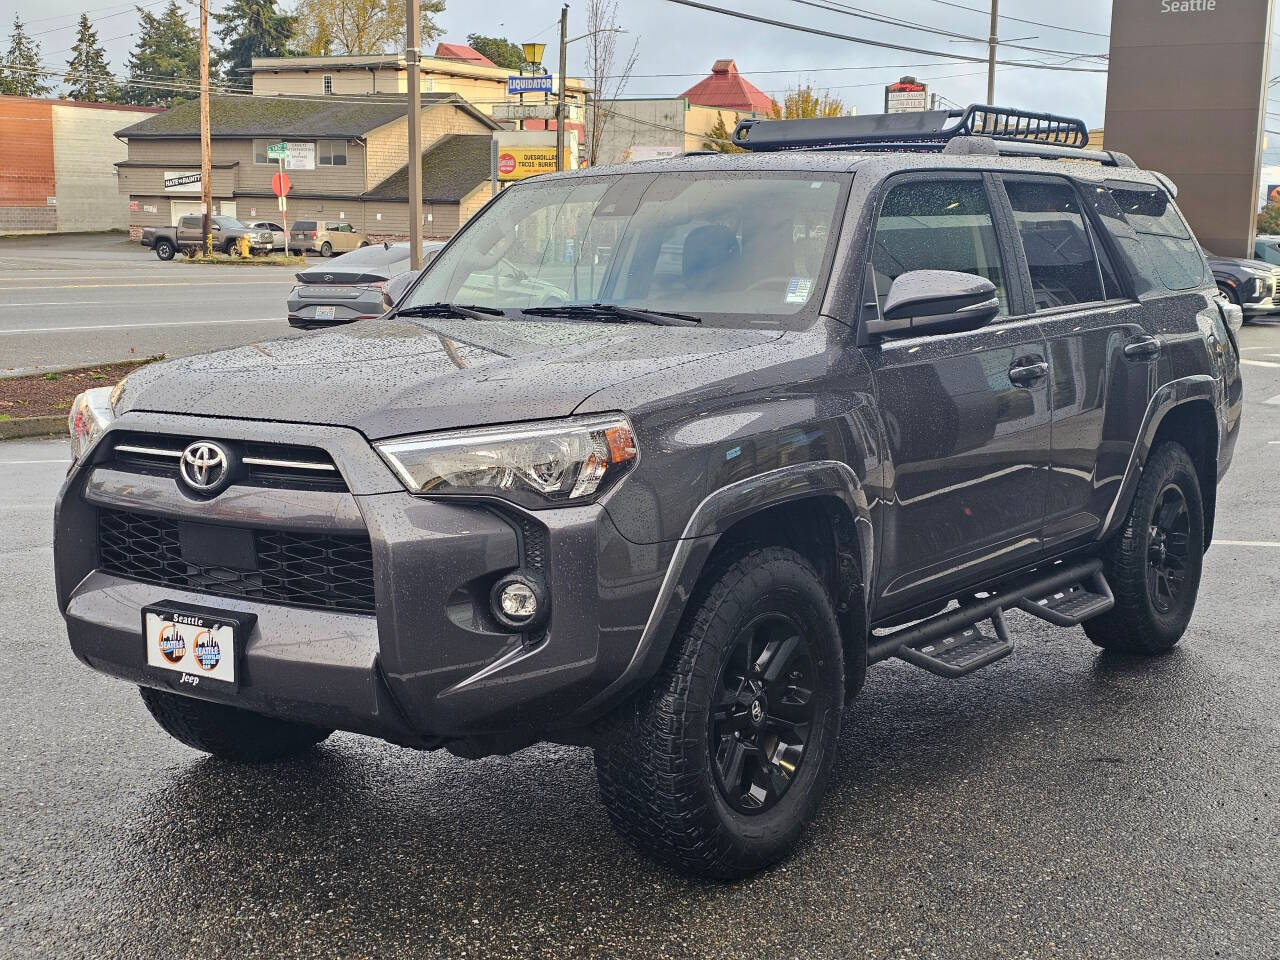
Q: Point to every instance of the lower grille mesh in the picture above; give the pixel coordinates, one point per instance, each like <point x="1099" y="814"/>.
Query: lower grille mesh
<point x="301" y="569"/>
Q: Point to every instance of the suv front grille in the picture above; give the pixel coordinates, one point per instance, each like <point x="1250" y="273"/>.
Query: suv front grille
<point x="301" y="569"/>
<point x="260" y="464"/>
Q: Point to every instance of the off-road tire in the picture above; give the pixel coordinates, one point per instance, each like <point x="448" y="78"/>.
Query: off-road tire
<point x="326" y="249"/>
<point x="655" y="766"/>
<point x="165" y="250"/>
<point x="229" y="732"/>
<point x="1136" y="624"/>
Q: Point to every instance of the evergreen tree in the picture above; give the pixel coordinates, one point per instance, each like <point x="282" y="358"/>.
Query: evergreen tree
<point x="88" y="74"/>
<point x="248" y="29"/>
<point x="498" y="49"/>
<point x="720" y="137"/>
<point x="165" y="65"/>
<point x="19" y="73"/>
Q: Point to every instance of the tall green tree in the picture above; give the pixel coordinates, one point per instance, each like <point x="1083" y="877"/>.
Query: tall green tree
<point x="20" y="74"/>
<point x="88" y="73"/>
<point x="165" y="65"/>
<point x="248" y="29"/>
<point x="498" y="49"/>
<point x="720" y="137"/>
<point x="354" y="27"/>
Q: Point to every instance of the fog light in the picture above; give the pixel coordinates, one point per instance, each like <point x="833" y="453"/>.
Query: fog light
<point x="520" y="601"/>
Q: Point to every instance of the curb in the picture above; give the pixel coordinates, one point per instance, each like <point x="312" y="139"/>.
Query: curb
<point x="33" y="427"/>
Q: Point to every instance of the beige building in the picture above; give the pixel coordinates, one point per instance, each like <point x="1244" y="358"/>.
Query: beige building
<point x="646" y="129"/>
<point x="347" y="162"/>
<point x="463" y="72"/>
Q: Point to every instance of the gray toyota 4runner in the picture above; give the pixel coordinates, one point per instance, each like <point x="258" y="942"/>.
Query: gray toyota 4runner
<point x="659" y="458"/>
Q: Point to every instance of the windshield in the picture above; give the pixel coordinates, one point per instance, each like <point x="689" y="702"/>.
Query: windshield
<point x="736" y="248"/>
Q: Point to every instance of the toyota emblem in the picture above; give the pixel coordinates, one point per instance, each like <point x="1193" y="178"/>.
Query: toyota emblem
<point x="328" y="278"/>
<point x="205" y="466"/>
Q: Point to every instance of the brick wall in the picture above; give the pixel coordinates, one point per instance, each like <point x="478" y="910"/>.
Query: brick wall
<point x="26" y="166"/>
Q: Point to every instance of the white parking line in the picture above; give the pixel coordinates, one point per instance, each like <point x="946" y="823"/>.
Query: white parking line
<point x="128" y="285"/>
<point x="56" y="303"/>
<point x="1260" y="363"/>
<point x="19" y="463"/>
<point x="1246" y="543"/>
<point x="124" y="326"/>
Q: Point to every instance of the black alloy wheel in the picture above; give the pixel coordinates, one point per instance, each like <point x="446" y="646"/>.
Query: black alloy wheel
<point x="763" y="714"/>
<point x="1167" y="549"/>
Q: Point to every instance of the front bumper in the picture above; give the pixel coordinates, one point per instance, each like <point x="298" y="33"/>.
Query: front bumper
<point x="431" y="664"/>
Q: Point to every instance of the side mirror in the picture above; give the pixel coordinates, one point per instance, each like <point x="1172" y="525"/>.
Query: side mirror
<point x="936" y="301"/>
<point x="397" y="285"/>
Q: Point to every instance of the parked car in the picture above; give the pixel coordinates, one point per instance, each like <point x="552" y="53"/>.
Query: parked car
<point x="1249" y="284"/>
<point x="355" y="286"/>
<point x="187" y="237"/>
<point x="1267" y="248"/>
<point x="325" y="237"/>
<point x="881" y="398"/>
<point x="277" y="232"/>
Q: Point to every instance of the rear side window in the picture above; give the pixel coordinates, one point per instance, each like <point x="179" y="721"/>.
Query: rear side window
<point x="1163" y="234"/>
<point x="1056" y="240"/>
<point x="936" y="225"/>
<point x="189" y="223"/>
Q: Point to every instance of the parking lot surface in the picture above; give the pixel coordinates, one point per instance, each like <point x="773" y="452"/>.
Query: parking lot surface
<point x="72" y="300"/>
<point x="1062" y="803"/>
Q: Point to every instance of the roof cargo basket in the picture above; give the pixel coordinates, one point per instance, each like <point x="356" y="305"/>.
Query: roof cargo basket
<point x="926" y="130"/>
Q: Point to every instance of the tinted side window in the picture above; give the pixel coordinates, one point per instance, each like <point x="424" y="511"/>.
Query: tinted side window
<point x="936" y="225"/>
<point x="1163" y="234"/>
<point x="1056" y="241"/>
<point x="189" y="223"/>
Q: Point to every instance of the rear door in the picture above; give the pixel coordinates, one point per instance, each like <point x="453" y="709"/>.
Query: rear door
<point x="1101" y="358"/>
<point x="966" y="414"/>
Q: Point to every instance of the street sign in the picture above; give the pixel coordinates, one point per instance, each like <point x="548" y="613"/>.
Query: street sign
<point x="278" y="151"/>
<point x="280" y="184"/>
<point x="536" y="111"/>
<point x="540" y="83"/>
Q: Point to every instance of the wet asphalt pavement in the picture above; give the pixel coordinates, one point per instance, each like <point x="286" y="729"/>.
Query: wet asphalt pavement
<point x="1061" y="803"/>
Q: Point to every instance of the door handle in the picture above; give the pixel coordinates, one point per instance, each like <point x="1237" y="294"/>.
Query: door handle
<point x="1142" y="348"/>
<point x="1024" y="374"/>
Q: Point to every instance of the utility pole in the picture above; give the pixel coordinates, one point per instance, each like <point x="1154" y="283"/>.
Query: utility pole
<point x="206" y="172"/>
<point x="992" y="40"/>
<point x="560" y="117"/>
<point x="412" y="55"/>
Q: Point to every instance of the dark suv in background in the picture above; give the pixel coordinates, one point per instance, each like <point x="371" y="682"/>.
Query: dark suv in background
<point x="660" y="458"/>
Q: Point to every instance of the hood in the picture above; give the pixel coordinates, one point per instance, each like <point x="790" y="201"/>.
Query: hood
<point x="391" y="377"/>
<point x="1259" y="266"/>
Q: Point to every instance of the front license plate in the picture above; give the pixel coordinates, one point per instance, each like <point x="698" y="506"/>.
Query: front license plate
<point x="324" y="313"/>
<point x="194" y="646"/>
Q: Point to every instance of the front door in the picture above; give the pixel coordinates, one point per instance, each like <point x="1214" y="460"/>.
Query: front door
<point x="966" y="414"/>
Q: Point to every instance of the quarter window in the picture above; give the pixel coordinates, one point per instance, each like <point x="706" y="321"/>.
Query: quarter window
<point x="936" y="225"/>
<point x="1056" y="241"/>
<point x="1163" y="234"/>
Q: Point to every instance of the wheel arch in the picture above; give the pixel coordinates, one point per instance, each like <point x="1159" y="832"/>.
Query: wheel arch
<point x="819" y="508"/>
<point x="1185" y="411"/>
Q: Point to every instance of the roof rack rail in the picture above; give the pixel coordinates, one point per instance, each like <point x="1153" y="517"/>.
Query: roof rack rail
<point x="924" y="130"/>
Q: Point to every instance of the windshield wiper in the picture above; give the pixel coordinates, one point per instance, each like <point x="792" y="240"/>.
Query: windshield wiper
<point x="612" y="313"/>
<point x="470" y="311"/>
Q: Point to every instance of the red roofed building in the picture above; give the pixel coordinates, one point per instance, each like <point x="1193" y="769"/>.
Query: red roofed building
<point x="727" y="89"/>
<point x="463" y="53"/>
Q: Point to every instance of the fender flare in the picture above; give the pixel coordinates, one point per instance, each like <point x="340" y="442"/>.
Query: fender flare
<point x="1175" y="393"/>
<point x="716" y="514"/>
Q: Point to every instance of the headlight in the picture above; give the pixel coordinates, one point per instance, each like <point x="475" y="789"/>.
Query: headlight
<point x="89" y="416"/>
<point x="536" y="464"/>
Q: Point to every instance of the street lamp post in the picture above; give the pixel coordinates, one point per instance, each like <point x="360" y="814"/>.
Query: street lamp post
<point x="560" y="104"/>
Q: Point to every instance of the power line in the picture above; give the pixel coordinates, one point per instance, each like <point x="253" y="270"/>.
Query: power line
<point x="851" y="11"/>
<point x="1034" y="23"/>
<point x="787" y="25"/>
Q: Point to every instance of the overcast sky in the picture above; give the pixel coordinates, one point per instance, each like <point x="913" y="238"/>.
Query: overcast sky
<point x="673" y="39"/>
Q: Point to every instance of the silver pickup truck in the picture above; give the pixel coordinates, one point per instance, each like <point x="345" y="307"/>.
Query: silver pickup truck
<point x="187" y="238"/>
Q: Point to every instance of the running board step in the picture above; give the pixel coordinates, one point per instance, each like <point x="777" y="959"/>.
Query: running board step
<point x="961" y="652"/>
<point x="1073" y="604"/>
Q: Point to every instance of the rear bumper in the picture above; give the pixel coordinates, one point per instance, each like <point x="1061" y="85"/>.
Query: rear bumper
<point x="430" y="664"/>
